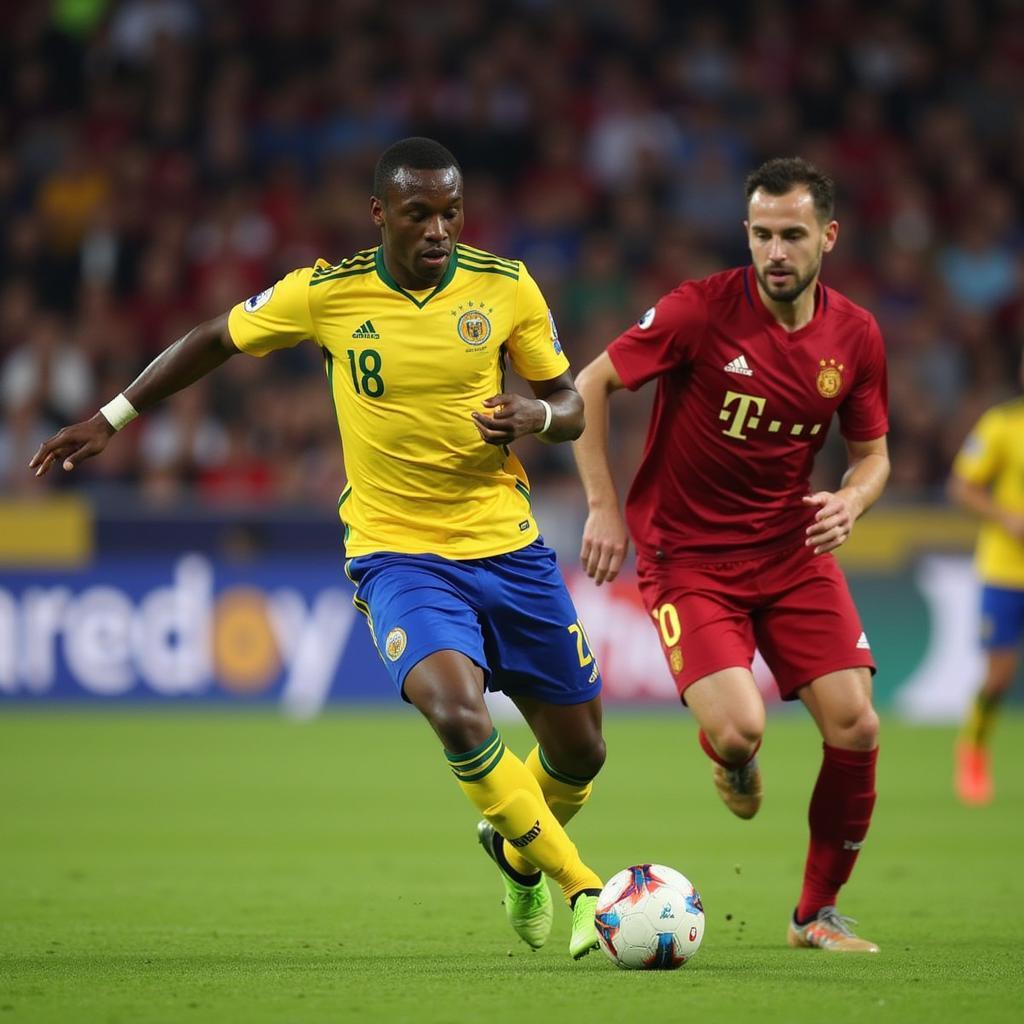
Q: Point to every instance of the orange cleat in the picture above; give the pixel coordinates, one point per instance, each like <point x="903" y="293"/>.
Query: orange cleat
<point x="973" y="777"/>
<point x="829" y="931"/>
<point x="740" y="788"/>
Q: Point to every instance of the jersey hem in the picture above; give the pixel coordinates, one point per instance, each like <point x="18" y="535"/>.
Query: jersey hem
<point x="871" y="434"/>
<point x="998" y="582"/>
<point x="359" y="550"/>
<point x="242" y="346"/>
<point x="719" y="555"/>
<point x="630" y="382"/>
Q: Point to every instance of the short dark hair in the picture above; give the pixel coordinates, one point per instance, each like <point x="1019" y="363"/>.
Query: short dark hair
<point x="784" y="173"/>
<point x="417" y="153"/>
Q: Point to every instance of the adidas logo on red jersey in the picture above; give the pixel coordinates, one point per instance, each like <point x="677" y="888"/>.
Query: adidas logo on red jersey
<point x="739" y="365"/>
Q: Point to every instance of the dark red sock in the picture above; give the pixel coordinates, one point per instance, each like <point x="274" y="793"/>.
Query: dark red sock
<point x="839" y="815"/>
<point x="710" y="751"/>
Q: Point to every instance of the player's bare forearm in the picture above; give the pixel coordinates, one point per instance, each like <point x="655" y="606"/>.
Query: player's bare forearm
<point x="978" y="500"/>
<point x="203" y="349"/>
<point x="867" y="474"/>
<point x="191" y="357"/>
<point x="605" y="538"/>
<point x="596" y="383"/>
<point x="862" y="485"/>
<point x="566" y="414"/>
<point x="509" y="416"/>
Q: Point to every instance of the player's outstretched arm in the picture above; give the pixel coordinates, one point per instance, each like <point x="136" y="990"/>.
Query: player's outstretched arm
<point x="605" y="538"/>
<point x="862" y="485"/>
<point x="203" y="349"/>
<point x="554" y="414"/>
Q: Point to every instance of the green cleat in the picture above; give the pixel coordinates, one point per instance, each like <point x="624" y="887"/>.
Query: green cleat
<point x="584" y="927"/>
<point x="528" y="906"/>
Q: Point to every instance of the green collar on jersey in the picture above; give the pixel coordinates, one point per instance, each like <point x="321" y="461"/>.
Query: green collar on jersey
<point x="385" y="276"/>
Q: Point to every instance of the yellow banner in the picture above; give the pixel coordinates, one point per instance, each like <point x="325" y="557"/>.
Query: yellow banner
<point x="50" y="532"/>
<point x="887" y="538"/>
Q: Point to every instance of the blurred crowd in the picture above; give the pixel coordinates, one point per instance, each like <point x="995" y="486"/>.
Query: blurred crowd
<point x="163" y="159"/>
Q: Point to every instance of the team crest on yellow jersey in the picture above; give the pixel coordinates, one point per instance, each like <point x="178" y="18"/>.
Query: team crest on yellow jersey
<point x="830" y="378"/>
<point x="394" y="645"/>
<point x="474" y="327"/>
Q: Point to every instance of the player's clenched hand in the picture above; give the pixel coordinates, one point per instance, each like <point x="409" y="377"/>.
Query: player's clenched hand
<point x="512" y="416"/>
<point x="833" y="522"/>
<point x="73" y="444"/>
<point x="605" y="543"/>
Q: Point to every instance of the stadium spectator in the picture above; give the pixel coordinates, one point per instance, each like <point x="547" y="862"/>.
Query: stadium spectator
<point x="181" y="154"/>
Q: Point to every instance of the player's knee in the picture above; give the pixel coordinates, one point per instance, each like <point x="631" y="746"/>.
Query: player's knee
<point x="590" y="759"/>
<point x="997" y="684"/>
<point x="1000" y="676"/>
<point x="867" y="729"/>
<point x="460" y="726"/>
<point x="858" y="730"/>
<point x="581" y="760"/>
<point x="737" y="741"/>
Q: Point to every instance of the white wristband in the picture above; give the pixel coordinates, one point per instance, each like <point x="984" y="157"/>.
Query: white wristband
<point x="547" y="417"/>
<point x="119" y="412"/>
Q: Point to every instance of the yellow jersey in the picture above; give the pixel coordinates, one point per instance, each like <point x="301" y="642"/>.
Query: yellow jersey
<point x="993" y="457"/>
<point x="405" y="370"/>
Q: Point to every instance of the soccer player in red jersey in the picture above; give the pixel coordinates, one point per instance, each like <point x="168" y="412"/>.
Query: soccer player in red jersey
<point x="733" y="549"/>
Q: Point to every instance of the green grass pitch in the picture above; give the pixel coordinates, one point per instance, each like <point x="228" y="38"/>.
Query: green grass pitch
<point x="217" y="866"/>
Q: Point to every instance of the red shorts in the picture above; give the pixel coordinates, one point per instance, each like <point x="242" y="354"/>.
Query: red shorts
<point x="794" y="606"/>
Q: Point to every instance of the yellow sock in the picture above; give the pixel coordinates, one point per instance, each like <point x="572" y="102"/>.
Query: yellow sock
<point x="509" y="797"/>
<point x="563" y="794"/>
<point x="979" y="722"/>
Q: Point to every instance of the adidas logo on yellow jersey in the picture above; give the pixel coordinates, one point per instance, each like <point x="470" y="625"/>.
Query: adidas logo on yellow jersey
<point x="365" y="330"/>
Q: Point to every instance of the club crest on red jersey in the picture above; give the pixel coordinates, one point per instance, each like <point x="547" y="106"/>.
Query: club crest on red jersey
<point x="830" y="378"/>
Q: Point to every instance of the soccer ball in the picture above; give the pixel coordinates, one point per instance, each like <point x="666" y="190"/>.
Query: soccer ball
<point x="650" y="918"/>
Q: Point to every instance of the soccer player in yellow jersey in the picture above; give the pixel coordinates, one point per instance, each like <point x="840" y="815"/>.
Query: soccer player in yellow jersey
<point x="988" y="479"/>
<point x="459" y="592"/>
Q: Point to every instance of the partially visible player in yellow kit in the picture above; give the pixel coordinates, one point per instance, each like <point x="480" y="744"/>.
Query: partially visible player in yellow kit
<point x="459" y="592"/>
<point x="988" y="479"/>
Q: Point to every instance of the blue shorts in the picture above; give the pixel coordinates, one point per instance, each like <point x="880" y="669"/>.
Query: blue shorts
<point x="511" y="614"/>
<point x="1002" y="617"/>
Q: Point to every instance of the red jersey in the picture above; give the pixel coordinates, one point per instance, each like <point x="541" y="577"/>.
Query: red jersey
<point x="742" y="408"/>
